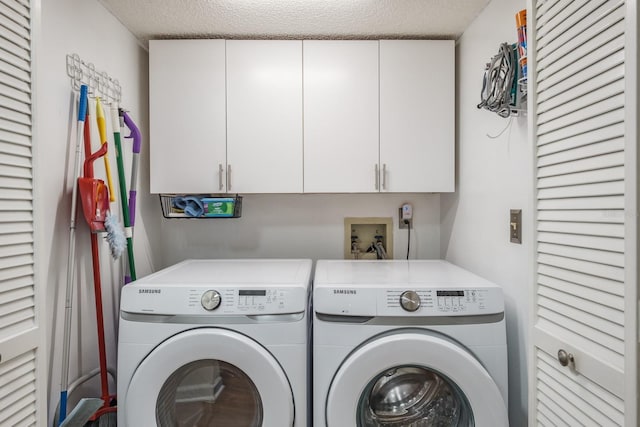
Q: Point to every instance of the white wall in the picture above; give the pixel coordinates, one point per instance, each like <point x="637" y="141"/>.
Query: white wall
<point x="493" y="176"/>
<point x="86" y="28"/>
<point x="300" y="226"/>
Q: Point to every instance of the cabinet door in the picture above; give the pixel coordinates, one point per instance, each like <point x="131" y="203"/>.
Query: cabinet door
<point x="187" y="116"/>
<point x="264" y="116"/>
<point x="417" y="93"/>
<point x="340" y="116"/>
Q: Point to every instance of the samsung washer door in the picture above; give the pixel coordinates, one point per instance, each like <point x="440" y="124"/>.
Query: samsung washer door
<point x="413" y="379"/>
<point x="205" y="377"/>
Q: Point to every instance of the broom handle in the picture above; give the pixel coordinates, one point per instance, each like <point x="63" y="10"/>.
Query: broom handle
<point x="102" y="129"/>
<point x="102" y="352"/>
<point x="64" y="378"/>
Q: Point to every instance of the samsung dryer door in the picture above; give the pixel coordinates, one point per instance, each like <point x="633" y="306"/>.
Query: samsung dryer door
<point x="205" y="377"/>
<point x="413" y="378"/>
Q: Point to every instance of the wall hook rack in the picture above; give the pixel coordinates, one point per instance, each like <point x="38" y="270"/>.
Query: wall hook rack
<point x="100" y="84"/>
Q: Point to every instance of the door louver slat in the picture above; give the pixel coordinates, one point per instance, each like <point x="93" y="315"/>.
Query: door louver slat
<point x="585" y="190"/>
<point x="582" y="279"/>
<point x="601" y="257"/>
<point x="565" y="117"/>
<point x="602" y="271"/>
<point x="595" y="215"/>
<point x="599" y="61"/>
<point x="549" y="100"/>
<point x="580" y="152"/>
<point x="551" y="10"/>
<point x="602" y="202"/>
<point x="589" y="294"/>
<point x="584" y="17"/>
<point x="581" y="45"/>
<point x="608" y="160"/>
<point x="580" y="178"/>
<point x="579" y="129"/>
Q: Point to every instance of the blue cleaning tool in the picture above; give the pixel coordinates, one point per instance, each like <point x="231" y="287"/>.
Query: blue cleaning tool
<point x="191" y="205"/>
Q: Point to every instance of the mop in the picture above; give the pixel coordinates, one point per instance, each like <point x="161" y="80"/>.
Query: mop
<point x="122" y="184"/>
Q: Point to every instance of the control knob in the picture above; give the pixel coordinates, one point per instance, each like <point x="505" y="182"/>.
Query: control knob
<point x="210" y="300"/>
<point x="410" y="301"/>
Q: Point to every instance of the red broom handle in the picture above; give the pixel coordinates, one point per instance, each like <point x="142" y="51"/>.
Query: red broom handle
<point x="104" y="382"/>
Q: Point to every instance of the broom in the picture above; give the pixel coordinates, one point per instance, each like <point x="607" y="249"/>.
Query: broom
<point x="95" y="205"/>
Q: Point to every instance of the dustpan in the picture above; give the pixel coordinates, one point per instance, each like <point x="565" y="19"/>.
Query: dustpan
<point x="94" y="194"/>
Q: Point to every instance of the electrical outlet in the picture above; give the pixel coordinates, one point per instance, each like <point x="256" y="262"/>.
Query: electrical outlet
<point x="515" y="226"/>
<point x="401" y="223"/>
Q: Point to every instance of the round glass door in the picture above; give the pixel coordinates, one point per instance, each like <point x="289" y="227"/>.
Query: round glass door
<point x="412" y="396"/>
<point x="413" y="378"/>
<point x="208" y="377"/>
<point x="209" y="393"/>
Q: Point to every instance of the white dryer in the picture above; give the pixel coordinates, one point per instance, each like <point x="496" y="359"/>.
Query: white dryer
<point x="407" y="343"/>
<point x="216" y="342"/>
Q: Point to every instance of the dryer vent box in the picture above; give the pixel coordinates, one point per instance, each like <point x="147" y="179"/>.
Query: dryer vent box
<point x="368" y="238"/>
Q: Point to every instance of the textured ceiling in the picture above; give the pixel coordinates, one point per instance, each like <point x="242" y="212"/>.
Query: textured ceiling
<point x="299" y="19"/>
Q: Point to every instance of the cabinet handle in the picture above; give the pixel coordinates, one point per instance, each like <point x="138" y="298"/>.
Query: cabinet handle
<point x="220" y="172"/>
<point x="228" y="177"/>
<point x="377" y="176"/>
<point x="566" y="358"/>
<point x="384" y="176"/>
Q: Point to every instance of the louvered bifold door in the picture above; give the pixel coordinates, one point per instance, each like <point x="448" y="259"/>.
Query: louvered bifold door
<point x="20" y="376"/>
<point x="578" y="82"/>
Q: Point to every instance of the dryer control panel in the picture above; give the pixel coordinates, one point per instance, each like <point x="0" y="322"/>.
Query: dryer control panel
<point x="468" y="301"/>
<point x="381" y="301"/>
<point x="440" y="302"/>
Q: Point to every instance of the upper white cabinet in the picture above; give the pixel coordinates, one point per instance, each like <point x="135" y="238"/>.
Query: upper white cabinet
<point x="417" y="111"/>
<point x="291" y="116"/>
<point x="187" y="116"/>
<point x="341" y="116"/>
<point x="264" y="116"/>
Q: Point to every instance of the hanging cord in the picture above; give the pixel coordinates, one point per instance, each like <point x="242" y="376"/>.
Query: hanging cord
<point x="508" y="126"/>
<point x="498" y="81"/>
<point x="406" y="221"/>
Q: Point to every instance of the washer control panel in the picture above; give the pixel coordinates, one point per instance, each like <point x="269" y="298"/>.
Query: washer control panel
<point x="249" y="301"/>
<point x="215" y="300"/>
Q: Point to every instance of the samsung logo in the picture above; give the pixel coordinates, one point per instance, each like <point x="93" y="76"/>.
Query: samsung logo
<point x="344" y="291"/>
<point x="149" y="291"/>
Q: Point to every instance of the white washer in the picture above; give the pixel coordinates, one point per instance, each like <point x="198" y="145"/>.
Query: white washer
<point x="404" y="343"/>
<point x="216" y="342"/>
